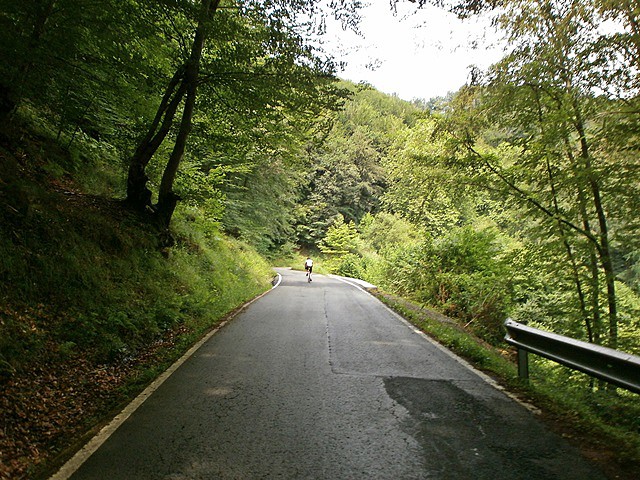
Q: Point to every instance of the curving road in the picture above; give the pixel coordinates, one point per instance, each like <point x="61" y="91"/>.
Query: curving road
<point x="321" y="381"/>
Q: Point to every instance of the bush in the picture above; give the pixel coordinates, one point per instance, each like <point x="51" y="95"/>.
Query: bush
<point x="350" y="265"/>
<point x="463" y="274"/>
<point x="409" y="269"/>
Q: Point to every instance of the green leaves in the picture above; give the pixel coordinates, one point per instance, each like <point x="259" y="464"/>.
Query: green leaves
<point x="348" y="176"/>
<point x="341" y="238"/>
<point x="420" y="187"/>
<point x="543" y="144"/>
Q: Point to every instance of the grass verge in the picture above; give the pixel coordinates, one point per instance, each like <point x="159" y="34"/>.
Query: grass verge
<point x="91" y="310"/>
<point x="604" y="425"/>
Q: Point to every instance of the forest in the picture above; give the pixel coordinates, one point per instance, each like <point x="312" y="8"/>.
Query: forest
<point x="157" y="158"/>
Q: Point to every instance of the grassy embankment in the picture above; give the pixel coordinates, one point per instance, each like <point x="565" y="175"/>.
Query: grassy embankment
<point x="91" y="310"/>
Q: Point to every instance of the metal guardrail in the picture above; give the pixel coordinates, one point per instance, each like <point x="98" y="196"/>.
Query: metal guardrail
<point x="619" y="368"/>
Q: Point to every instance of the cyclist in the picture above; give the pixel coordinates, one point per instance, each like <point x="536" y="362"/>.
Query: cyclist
<point x="308" y="266"/>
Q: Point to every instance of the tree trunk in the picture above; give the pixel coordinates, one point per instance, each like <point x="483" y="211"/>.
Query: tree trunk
<point x="562" y="228"/>
<point x="605" y="249"/>
<point x="138" y="195"/>
<point x="572" y="261"/>
<point x="167" y="199"/>
<point x="607" y="264"/>
<point x="12" y="92"/>
<point x="595" y="273"/>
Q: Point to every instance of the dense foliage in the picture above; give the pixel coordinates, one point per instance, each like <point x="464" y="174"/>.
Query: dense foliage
<point x="218" y="89"/>
<point x="178" y="137"/>
<point x="523" y="188"/>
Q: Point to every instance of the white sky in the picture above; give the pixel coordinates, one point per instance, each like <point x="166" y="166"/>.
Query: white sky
<point x="415" y="54"/>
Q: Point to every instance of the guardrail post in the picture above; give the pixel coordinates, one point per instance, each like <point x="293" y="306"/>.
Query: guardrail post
<point x="523" y="364"/>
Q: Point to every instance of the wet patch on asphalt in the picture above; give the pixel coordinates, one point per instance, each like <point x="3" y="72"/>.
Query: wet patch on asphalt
<point x="463" y="437"/>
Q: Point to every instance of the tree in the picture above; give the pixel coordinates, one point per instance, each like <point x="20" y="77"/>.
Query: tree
<point x="167" y="199"/>
<point x="341" y="238"/>
<point x="551" y="121"/>
<point x="278" y="24"/>
<point x="420" y="187"/>
<point x="348" y="176"/>
<point x="385" y="230"/>
<point x="88" y="65"/>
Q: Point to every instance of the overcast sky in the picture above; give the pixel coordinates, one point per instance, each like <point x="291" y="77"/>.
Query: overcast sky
<point x="415" y="54"/>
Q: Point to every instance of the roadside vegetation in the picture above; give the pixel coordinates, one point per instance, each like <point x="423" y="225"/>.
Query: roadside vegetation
<point x="157" y="157"/>
<point x="601" y="424"/>
<point x="92" y="309"/>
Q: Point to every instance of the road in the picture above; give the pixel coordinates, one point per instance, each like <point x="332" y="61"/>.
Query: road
<point x="321" y="381"/>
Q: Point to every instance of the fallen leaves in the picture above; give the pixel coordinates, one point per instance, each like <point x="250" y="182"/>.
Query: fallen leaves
<point x="45" y="408"/>
<point x="40" y="409"/>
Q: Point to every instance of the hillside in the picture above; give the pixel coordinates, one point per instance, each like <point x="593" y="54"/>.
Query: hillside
<point x="91" y="308"/>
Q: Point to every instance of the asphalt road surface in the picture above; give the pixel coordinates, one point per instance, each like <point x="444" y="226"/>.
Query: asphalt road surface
<point x="321" y="381"/>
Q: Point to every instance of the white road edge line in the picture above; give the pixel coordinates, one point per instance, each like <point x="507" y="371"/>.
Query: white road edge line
<point x="448" y="352"/>
<point x="462" y="361"/>
<point x="82" y="455"/>
<point x="348" y="282"/>
<point x="278" y="282"/>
